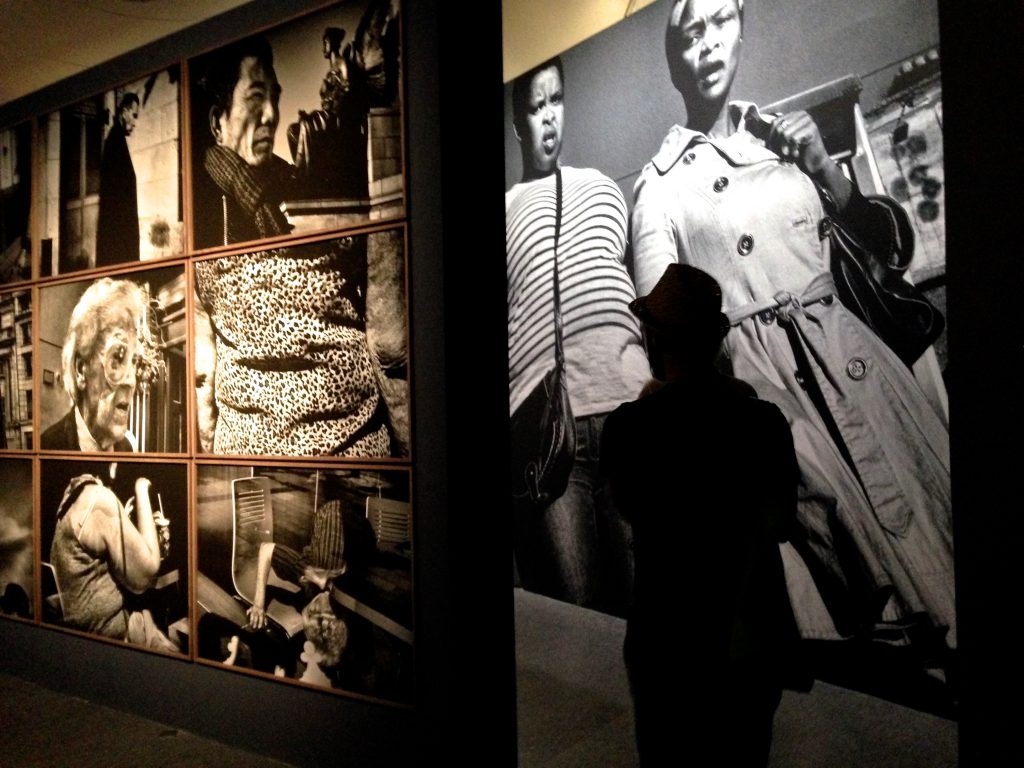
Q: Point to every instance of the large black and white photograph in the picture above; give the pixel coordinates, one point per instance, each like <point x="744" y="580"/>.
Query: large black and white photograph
<point x="304" y="350"/>
<point x="305" y="574"/>
<point x="15" y="203"/>
<point x="114" y="551"/>
<point x="299" y="129"/>
<point x="709" y="204"/>
<point x="112" y="359"/>
<point x="110" y="177"/>
<point x="17" y="565"/>
<point x="16" y="370"/>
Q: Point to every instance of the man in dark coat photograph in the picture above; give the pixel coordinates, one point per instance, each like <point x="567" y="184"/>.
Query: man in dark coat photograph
<point x="117" y="229"/>
<point x="707" y="476"/>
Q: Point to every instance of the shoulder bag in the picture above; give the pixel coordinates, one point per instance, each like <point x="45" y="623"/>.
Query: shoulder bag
<point x="872" y="285"/>
<point x="543" y="428"/>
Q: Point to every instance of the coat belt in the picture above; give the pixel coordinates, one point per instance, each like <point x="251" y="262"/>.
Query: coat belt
<point x="820" y="288"/>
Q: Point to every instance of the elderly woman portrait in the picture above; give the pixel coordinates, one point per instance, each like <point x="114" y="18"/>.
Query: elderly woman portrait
<point x="749" y="198"/>
<point x="109" y="351"/>
<point x="115" y="538"/>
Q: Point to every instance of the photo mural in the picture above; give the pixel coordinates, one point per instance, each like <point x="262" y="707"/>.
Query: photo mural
<point x="204" y="360"/>
<point x="795" y="156"/>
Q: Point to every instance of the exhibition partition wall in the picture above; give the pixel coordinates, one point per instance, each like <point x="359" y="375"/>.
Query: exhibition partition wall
<point x="870" y="78"/>
<point x="221" y="271"/>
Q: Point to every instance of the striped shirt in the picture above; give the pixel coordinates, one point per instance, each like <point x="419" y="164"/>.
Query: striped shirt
<point x="605" y="360"/>
<point x="326" y="548"/>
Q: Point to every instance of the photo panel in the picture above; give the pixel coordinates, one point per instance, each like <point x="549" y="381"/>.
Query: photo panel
<point x="299" y="129"/>
<point x="17" y="565"/>
<point x="664" y="161"/>
<point x="303" y="350"/>
<point x="306" y="574"/>
<point x="15" y="203"/>
<point x="110" y="177"/>
<point x="113" y="358"/>
<point x="16" y="366"/>
<point x="114" y="551"/>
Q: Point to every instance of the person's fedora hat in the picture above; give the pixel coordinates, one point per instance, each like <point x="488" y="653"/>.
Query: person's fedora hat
<point x="684" y="299"/>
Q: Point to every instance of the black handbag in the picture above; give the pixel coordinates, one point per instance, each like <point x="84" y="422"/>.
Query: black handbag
<point x="874" y="288"/>
<point x="543" y="427"/>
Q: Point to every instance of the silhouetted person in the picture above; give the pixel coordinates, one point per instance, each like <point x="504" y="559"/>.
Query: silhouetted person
<point x="117" y="228"/>
<point x="707" y="475"/>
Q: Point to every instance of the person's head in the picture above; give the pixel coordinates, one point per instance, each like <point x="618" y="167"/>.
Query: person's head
<point x="332" y="41"/>
<point x="107" y="351"/>
<point x="244" y="94"/>
<point x="128" y="112"/>
<point x="683" y="317"/>
<point x="327" y="633"/>
<point x="537" y="117"/>
<point x="702" y="46"/>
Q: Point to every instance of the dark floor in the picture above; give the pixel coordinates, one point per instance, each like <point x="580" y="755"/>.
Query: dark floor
<point x="574" y="707"/>
<point x="40" y="728"/>
<point x="574" y="710"/>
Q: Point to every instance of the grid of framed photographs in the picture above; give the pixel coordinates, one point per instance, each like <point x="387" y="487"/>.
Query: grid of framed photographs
<point x="204" y="359"/>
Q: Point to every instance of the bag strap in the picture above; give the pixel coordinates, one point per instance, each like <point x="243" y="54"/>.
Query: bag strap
<point x="559" y="354"/>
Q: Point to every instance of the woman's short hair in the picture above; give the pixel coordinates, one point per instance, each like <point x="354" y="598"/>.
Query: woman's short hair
<point x="673" y="41"/>
<point x="105" y="304"/>
<point x="325" y="629"/>
<point x="521" y="87"/>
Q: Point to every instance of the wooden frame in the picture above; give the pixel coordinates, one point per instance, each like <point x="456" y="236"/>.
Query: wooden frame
<point x="16" y="177"/>
<point x="335" y="136"/>
<point x="127" y="138"/>
<point x="167" y="600"/>
<point x="17" y="540"/>
<point x="372" y="600"/>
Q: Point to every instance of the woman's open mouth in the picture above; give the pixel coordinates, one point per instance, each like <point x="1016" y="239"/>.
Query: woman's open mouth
<point x="709" y="74"/>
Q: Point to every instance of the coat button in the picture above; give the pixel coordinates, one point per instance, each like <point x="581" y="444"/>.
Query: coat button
<point x="800" y="379"/>
<point x="766" y="316"/>
<point x="745" y="244"/>
<point x="856" y="368"/>
<point x="827" y="301"/>
<point x="688" y="158"/>
<point x="824" y="228"/>
<point x="720" y="184"/>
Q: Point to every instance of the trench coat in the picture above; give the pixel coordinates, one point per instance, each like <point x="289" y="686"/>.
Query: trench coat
<point x="874" y="540"/>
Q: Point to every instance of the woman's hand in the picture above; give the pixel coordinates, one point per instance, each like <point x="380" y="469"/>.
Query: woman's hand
<point x="257" y="617"/>
<point x="796" y="139"/>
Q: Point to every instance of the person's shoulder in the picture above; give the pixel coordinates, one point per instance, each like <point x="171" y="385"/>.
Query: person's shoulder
<point x="754" y="409"/>
<point x="594" y="181"/>
<point x="59" y="436"/>
<point x="522" y="188"/>
<point x="653" y="399"/>
<point x="572" y="173"/>
<point x="672" y="148"/>
<point x="512" y="195"/>
<point x="103" y="500"/>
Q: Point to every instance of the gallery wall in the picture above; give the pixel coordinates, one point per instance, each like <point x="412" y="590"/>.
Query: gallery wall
<point x="248" y="711"/>
<point x="981" y="66"/>
<point x="464" y="627"/>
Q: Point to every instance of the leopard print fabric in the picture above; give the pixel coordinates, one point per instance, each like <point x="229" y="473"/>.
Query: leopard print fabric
<point x="295" y="374"/>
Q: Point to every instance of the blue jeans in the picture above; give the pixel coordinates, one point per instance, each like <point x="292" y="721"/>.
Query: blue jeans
<point x="578" y="548"/>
